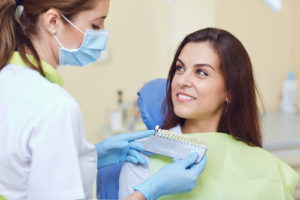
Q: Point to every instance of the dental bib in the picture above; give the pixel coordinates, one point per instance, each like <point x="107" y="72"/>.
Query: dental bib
<point x="236" y="171"/>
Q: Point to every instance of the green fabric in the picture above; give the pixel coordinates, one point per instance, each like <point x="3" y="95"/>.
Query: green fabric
<point x="51" y="74"/>
<point x="236" y="171"/>
<point x="2" y="198"/>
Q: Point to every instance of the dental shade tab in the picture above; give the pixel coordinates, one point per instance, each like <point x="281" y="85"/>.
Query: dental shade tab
<point x="174" y="145"/>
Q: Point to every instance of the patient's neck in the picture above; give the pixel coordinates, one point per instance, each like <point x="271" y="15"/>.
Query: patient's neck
<point x="201" y="125"/>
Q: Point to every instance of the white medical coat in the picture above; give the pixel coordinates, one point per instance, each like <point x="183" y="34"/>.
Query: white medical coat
<point x="43" y="151"/>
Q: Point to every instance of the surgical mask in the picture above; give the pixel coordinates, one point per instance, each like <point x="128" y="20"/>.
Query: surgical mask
<point x="94" y="42"/>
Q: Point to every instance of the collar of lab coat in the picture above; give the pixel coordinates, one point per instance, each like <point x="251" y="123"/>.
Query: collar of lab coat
<point x="50" y="73"/>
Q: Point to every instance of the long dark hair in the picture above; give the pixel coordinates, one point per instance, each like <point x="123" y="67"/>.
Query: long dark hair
<point x="16" y="37"/>
<point x="240" y="116"/>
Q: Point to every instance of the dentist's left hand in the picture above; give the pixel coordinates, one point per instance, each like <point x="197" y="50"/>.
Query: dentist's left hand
<point x="122" y="148"/>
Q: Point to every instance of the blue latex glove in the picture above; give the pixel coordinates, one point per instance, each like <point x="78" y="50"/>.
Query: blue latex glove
<point x="122" y="148"/>
<point x="178" y="177"/>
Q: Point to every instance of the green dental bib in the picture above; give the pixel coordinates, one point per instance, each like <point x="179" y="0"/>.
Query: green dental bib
<point x="237" y="171"/>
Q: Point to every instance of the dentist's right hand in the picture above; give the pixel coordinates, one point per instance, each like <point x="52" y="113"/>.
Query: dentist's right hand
<point x="178" y="177"/>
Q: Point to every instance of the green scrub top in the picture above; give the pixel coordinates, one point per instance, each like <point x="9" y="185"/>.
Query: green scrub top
<point x="51" y="74"/>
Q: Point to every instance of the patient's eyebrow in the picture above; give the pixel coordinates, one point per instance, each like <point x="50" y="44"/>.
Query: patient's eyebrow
<point x="198" y="64"/>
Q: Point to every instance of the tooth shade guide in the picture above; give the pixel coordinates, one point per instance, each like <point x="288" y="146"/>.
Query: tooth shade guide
<point x="191" y="140"/>
<point x="174" y="145"/>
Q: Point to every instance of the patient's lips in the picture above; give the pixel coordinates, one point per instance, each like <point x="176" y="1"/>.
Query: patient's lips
<point x="183" y="97"/>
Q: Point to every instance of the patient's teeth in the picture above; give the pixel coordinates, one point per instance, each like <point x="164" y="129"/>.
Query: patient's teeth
<point x="185" y="97"/>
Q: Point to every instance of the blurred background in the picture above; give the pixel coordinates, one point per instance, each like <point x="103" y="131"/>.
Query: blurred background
<point x="142" y="41"/>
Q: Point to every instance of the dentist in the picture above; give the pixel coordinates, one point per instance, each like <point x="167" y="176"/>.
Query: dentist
<point x="44" y="153"/>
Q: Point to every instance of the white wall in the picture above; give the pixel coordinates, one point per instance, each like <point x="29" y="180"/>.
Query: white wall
<point x="267" y="38"/>
<point x="296" y="42"/>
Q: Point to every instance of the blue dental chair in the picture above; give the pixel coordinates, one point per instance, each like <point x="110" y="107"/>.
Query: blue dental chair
<point x="150" y="99"/>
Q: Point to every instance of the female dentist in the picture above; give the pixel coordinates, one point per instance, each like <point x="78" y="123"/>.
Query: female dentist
<point x="44" y="153"/>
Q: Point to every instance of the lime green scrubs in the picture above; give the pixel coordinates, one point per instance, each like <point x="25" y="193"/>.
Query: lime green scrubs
<point x="51" y="74"/>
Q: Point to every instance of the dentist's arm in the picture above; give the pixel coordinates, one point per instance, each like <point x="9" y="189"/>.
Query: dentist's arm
<point x="178" y="177"/>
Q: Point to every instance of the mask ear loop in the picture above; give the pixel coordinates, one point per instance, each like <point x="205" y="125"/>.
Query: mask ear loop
<point x="59" y="43"/>
<point x="72" y="24"/>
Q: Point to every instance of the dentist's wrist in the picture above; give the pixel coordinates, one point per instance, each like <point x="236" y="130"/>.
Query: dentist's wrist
<point x="136" y="195"/>
<point x="148" y="189"/>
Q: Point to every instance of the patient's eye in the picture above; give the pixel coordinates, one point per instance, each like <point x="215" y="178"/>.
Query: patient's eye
<point x="201" y="72"/>
<point x="179" y="68"/>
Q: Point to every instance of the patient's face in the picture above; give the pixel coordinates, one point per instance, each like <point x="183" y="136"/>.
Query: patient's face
<point x="198" y="88"/>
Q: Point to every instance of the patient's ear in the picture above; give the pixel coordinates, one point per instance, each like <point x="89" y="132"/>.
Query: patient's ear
<point x="227" y="101"/>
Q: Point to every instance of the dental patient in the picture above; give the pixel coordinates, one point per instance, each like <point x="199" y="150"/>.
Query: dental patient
<point x="211" y="94"/>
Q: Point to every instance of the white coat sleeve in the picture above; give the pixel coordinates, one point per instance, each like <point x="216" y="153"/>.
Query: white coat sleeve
<point x="54" y="146"/>
<point x="131" y="175"/>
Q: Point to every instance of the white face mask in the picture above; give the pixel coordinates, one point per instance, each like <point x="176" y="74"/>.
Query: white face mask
<point x="93" y="44"/>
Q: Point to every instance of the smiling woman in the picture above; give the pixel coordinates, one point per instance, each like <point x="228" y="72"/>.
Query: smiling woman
<point x="214" y="67"/>
<point x="198" y="87"/>
<point x="211" y="94"/>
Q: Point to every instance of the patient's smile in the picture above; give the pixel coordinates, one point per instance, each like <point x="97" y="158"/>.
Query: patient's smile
<point x="182" y="97"/>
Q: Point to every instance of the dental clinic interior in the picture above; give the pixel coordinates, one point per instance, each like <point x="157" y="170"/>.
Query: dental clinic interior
<point x="143" y="38"/>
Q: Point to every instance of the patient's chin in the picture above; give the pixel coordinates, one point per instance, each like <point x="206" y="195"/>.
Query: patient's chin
<point x="183" y="113"/>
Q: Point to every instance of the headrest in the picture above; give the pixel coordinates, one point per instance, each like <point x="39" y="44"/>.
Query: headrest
<point x="150" y="99"/>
